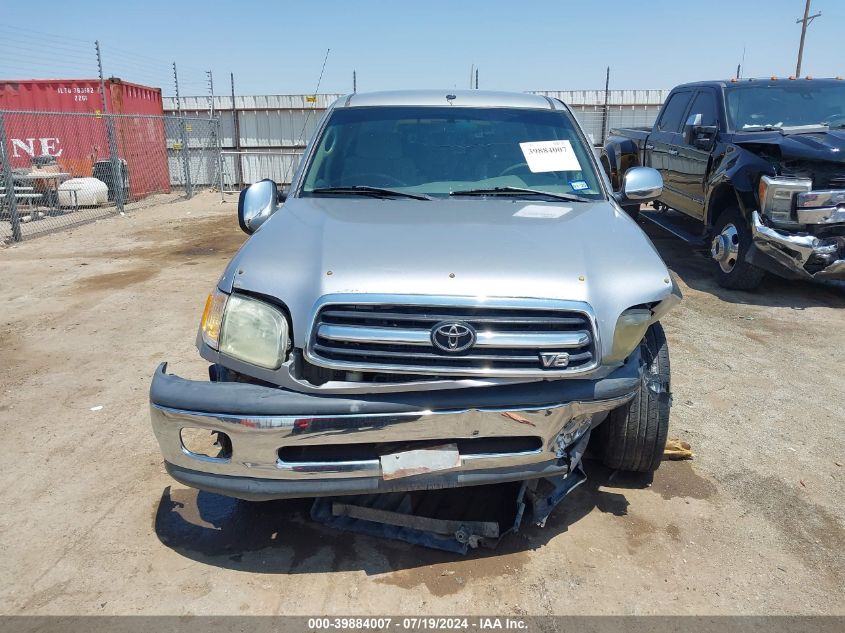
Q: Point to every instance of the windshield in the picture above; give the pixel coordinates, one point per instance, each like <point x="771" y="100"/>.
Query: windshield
<point x="792" y="105"/>
<point x="438" y="150"/>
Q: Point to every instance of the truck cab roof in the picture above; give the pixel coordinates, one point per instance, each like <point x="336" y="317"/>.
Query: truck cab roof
<point x="459" y="98"/>
<point x="721" y="84"/>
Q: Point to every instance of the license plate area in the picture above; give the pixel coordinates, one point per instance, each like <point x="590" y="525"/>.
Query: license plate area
<point x="420" y="461"/>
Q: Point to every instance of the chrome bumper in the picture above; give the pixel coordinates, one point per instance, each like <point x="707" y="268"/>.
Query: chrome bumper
<point x="820" y="207"/>
<point x="254" y="468"/>
<point x="794" y="252"/>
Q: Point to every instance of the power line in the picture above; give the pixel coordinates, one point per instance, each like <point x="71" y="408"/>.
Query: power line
<point x="81" y="48"/>
<point x="15" y="27"/>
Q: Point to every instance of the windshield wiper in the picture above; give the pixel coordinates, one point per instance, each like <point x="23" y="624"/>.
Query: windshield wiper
<point x="515" y="191"/>
<point x="375" y="192"/>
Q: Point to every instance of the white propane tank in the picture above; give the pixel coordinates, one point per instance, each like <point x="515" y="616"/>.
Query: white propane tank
<point x="83" y="192"/>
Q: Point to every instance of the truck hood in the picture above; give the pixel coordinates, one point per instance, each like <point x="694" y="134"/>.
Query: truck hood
<point x="312" y="247"/>
<point x="811" y="146"/>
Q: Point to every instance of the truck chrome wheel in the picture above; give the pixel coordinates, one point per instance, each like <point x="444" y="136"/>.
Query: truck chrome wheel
<point x="725" y="248"/>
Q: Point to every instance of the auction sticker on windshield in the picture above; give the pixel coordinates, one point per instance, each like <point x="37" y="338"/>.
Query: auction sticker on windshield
<point x="543" y="156"/>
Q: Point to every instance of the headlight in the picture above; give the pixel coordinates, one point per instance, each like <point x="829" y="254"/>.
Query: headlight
<point x="630" y="329"/>
<point x="776" y="196"/>
<point x="254" y="332"/>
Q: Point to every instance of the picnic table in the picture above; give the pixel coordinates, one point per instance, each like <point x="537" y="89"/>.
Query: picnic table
<point x="22" y="193"/>
<point x="56" y="178"/>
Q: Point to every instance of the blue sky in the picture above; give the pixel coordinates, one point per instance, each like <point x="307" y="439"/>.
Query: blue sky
<point x="278" y="47"/>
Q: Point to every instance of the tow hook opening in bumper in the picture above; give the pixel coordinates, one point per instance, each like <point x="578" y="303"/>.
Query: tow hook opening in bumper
<point x="804" y="256"/>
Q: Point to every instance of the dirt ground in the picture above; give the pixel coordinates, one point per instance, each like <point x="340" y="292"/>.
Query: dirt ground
<point x="92" y="524"/>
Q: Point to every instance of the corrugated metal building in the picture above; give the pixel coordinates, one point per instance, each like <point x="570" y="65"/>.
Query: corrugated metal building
<point x="273" y="131"/>
<point x="581" y="98"/>
<point x="625" y="108"/>
<point x="275" y="128"/>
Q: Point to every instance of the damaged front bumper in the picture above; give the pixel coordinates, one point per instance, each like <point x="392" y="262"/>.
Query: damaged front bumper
<point x="283" y="444"/>
<point x="794" y="255"/>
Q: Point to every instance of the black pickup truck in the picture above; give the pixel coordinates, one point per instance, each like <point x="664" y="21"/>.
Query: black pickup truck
<point x="753" y="168"/>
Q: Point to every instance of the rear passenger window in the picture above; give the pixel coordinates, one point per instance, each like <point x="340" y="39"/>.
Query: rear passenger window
<point x="673" y="112"/>
<point x="705" y="105"/>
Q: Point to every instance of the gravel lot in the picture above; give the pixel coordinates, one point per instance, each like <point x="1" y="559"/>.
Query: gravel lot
<point x="92" y="524"/>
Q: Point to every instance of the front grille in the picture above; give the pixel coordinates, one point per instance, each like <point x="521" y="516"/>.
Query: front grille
<point x="825" y="175"/>
<point x="835" y="181"/>
<point x="397" y="338"/>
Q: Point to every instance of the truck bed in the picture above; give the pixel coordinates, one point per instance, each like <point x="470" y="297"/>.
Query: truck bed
<point x="633" y="133"/>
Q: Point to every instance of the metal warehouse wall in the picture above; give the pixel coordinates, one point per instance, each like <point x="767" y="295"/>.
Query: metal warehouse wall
<point x="596" y="97"/>
<point x="280" y="125"/>
<point x="625" y="108"/>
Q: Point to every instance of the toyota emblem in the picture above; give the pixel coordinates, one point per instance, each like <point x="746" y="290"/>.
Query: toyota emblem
<point x="453" y="336"/>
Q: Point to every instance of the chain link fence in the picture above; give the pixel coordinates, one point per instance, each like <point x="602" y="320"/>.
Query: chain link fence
<point x="244" y="167"/>
<point x="193" y="153"/>
<point x="63" y="169"/>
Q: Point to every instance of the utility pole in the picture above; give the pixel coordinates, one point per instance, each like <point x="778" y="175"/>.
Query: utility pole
<point x="804" y="22"/>
<point x="476" y="78"/>
<point x="471" y="73"/>
<point x="354" y="82"/>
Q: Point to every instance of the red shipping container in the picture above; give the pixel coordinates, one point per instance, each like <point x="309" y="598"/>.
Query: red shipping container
<point x="77" y="142"/>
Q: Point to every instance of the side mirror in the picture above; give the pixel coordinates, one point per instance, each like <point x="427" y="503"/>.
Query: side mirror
<point x="697" y="135"/>
<point x="256" y="204"/>
<point x="641" y="184"/>
<point x="693" y="121"/>
<point x="705" y="136"/>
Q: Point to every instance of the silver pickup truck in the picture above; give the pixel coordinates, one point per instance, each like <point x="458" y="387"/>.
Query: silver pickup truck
<point x="449" y="295"/>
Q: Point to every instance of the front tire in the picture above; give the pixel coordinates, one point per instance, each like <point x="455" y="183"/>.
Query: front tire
<point x="634" y="435"/>
<point x="731" y="241"/>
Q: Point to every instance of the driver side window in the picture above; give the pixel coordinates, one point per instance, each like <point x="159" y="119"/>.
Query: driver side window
<point x="673" y="112"/>
<point x="705" y="105"/>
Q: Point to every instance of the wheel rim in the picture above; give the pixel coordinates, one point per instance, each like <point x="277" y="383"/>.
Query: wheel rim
<point x="725" y="248"/>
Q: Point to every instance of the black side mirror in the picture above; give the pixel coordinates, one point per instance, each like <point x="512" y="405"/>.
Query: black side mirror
<point x="704" y="136"/>
<point x="697" y="135"/>
<point x="693" y="121"/>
